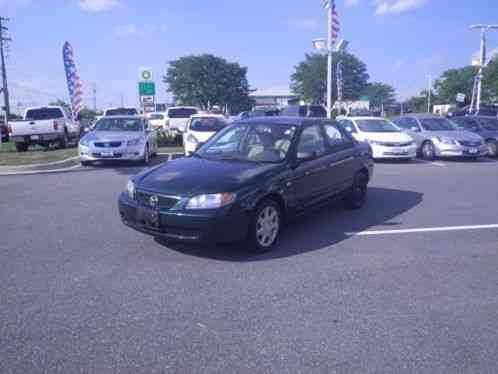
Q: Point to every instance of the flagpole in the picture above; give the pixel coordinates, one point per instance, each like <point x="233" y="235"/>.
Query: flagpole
<point x="329" y="61"/>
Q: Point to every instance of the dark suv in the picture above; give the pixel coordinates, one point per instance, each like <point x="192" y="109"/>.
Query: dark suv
<point x="485" y="126"/>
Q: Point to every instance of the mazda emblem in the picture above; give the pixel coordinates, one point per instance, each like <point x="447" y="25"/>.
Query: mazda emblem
<point x="154" y="200"/>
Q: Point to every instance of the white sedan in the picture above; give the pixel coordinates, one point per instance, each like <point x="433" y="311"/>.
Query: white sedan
<point x="200" y="128"/>
<point x="385" y="138"/>
<point x="118" y="138"/>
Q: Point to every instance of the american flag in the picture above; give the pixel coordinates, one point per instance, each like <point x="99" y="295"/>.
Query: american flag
<point x="340" y="81"/>
<point x="73" y="79"/>
<point x="336" y="25"/>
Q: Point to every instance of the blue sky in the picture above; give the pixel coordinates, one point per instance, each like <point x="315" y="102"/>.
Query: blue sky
<point x="401" y="41"/>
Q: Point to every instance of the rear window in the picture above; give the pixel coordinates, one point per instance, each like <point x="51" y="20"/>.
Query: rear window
<point x="121" y="112"/>
<point x="156" y="116"/>
<point x="207" y="124"/>
<point x="181" y="113"/>
<point x="43" y="114"/>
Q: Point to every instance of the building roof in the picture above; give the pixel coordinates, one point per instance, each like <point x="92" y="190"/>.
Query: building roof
<point x="273" y="92"/>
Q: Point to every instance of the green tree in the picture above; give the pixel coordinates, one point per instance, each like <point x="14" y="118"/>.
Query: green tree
<point x="380" y="94"/>
<point x="208" y="80"/>
<point x="61" y="103"/>
<point x="309" y="80"/>
<point x="490" y="83"/>
<point x="455" y="81"/>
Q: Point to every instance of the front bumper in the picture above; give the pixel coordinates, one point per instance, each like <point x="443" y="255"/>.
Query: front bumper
<point x="214" y="226"/>
<point x="450" y="150"/>
<point x="407" y="152"/>
<point x="127" y="153"/>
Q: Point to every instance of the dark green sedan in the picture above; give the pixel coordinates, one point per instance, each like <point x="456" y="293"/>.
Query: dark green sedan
<point x="245" y="182"/>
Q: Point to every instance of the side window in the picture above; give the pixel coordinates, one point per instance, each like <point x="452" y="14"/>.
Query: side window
<point x="312" y="142"/>
<point x="466" y="123"/>
<point x="336" y="138"/>
<point x="348" y="126"/>
<point x="412" y="124"/>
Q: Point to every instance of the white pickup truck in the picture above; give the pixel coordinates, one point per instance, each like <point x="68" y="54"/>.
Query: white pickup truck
<point x="44" y="126"/>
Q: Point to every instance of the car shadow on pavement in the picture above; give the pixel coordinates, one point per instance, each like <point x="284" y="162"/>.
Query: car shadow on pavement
<point x="126" y="167"/>
<point x="318" y="229"/>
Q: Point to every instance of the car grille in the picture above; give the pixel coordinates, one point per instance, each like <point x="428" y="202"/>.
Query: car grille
<point x="164" y="202"/>
<point x="107" y="144"/>
<point x="466" y="143"/>
<point x="396" y="144"/>
<point x="99" y="155"/>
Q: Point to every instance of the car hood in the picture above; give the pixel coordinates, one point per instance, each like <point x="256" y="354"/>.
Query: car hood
<point x="455" y="135"/>
<point x="191" y="176"/>
<point x="112" y="136"/>
<point x="398" y="137"/>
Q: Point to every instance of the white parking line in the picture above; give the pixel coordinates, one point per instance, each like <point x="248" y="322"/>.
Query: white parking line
<point x="433" y="229"/>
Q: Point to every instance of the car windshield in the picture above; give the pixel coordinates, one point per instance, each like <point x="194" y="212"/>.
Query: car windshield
<point x="376" y="125"/>
<point x="207" y="124"/>
<point x="436" y="124"/>
<point x="490" y="124"/>
<point x="251" y="142"/>
<point x="121" y="112"/>
<point x="181" y="113"/>
<point x="119" y="124"/>
<point x="156" y="116"/>
<point x="43" y="114"/>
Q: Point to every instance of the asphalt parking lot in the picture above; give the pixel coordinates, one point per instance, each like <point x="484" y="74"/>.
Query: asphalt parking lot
<point x="82" y="293"/>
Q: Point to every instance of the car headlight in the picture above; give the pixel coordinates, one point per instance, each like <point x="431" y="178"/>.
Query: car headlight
<point x="130" y="189"/>
<point x="84" y="142"/>
<point x="212" y="201"/>
<point x="133" y="141"/>
<point x="192" y="139"/>
<point x="443" y="140"/>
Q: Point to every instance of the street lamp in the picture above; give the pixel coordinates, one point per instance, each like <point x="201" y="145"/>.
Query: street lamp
<point x="482" y="61"/>
<point x="322" y="45"/>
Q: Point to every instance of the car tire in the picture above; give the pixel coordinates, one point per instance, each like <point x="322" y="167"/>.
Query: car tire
<point x="22" y="147"/>
<point x="146" y="158"/>
<point x="63" y="143"/>
<point x="358" y="193"/>
<point x="428" y="151"/>
<point x="86" y="163"/>
<point x="265" y="227"/>
<point x="492" y="148"/>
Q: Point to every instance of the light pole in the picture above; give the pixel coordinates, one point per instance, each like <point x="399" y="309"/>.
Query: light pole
<point x="429" y="93"/>
<point x="482" y="60"/>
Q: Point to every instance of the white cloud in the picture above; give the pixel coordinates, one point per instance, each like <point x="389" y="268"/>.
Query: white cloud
<point x="97" y="5"/>
<point x="131" y="30"/>
<point x="350" y="3"/>
<point x="397" y="6"/>
<point x="304" y="24"/>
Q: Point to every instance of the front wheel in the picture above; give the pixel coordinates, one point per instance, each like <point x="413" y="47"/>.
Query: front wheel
<point x="358" y="193"/>
<point x="428" y="151"/>
<point x="492" y="148"/>
<point x="64" y="142"/>
<point x="265" y="227"/>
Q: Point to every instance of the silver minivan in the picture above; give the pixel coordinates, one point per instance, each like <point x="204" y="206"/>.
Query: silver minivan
<point x="438" y="137"/>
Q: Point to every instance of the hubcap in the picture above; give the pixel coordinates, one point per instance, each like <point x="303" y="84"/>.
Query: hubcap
<point x="428" y="150"/>
<point x="492" y="149"/>
<point x="267" y="226"/>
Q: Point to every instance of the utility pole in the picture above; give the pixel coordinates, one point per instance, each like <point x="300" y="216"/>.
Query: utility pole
<point x="5" y="88"/>
<point x="94" y="90"/>
<point x="330" y="13"/>
<point x="429" y="93"/>
<point x="482" y="60"/>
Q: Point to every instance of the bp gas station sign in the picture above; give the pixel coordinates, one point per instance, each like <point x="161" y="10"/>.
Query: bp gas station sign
<point x="146" y="90"/>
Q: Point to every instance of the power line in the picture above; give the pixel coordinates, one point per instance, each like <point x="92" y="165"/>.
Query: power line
<point x="5" y="88"/>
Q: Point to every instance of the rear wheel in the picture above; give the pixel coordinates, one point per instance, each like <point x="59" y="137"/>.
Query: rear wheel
<point x="86" y="163"/>
<point x="63" y="143"/>
<point x="21" y="147"/>
<point x="492" y="148"/>
<point x="265" y="227"/>
<point x="358" y="194"/>
<point x="428" y="151"/>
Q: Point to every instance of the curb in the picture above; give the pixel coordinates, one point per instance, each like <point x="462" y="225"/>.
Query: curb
<point x="34" y="172"/>
<point x="27" y="166"/>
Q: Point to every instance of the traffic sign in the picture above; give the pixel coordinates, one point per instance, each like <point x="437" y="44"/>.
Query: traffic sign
<point x="145" y="75"/>
<point x="147" y="88"/>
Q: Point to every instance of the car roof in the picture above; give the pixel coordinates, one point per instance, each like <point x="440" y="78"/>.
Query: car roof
<point x="420" y="115"/>
<point x="124" y="117"/>
<point x="207" y="115"/>
<point x="363" y="117"/>
<point x="282" y="120"/>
